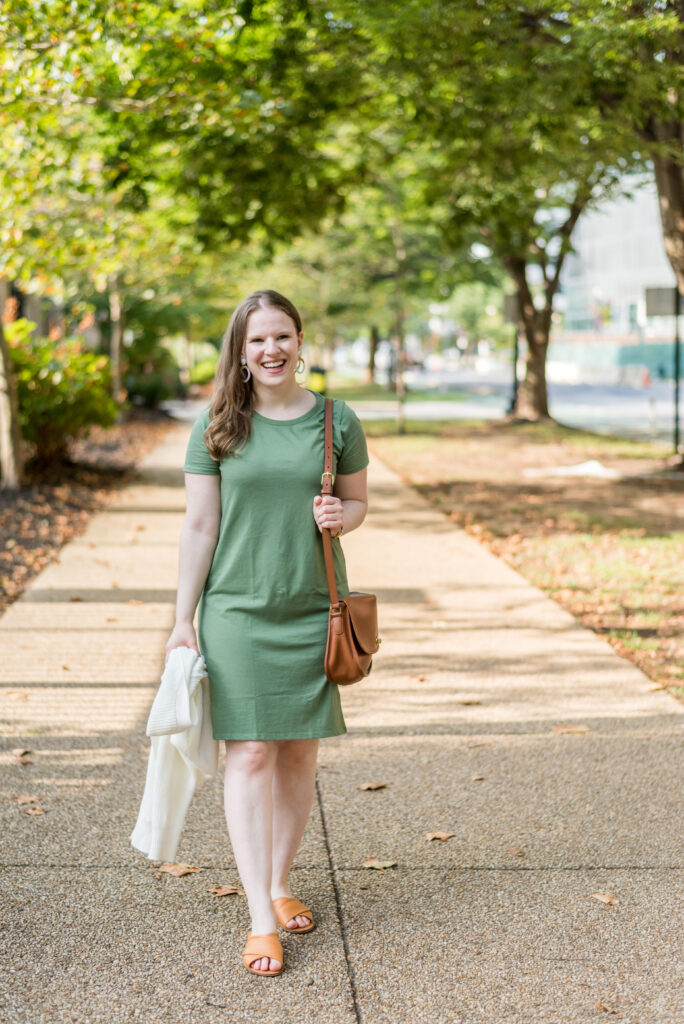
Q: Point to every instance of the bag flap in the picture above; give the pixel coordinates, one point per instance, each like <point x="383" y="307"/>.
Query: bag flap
<point x="363" y="618"/>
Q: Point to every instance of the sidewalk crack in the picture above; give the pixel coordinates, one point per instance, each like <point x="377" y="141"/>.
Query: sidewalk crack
<point x="338" y="905"/>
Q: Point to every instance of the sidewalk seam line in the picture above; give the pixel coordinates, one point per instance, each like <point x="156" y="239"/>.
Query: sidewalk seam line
<point x="121" y="866"/>
<point x="338" y="904"/>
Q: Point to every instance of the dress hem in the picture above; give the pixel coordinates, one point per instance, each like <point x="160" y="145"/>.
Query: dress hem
<point x="301" y="736"/>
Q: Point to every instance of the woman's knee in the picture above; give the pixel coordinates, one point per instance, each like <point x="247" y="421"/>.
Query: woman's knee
<point x="250" y="756"/>
<point x="298" y="752"/>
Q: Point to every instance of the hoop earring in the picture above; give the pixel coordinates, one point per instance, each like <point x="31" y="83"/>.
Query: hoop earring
<point x="244" y="366"/>
<point x="298" y="368"/>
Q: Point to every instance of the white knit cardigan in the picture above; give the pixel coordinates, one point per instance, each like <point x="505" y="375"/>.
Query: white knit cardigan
<point x="183" y="753"/>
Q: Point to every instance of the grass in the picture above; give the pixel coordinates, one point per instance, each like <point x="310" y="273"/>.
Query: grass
<point x="358" y="391"/>
<point x="608" y="550"/>
<point x="582" y="443"/>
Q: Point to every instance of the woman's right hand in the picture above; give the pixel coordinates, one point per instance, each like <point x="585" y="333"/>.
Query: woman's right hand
<point x="183" y="635"/>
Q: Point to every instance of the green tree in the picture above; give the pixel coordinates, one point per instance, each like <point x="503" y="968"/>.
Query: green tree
<point x="113" y="114"/>
<point x="637" y="53"/>
<point x="500" y="96"/>
<point x="382" y="258"/>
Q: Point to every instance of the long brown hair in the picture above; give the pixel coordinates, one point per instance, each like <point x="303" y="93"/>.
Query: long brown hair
<point x="230" y="412"/>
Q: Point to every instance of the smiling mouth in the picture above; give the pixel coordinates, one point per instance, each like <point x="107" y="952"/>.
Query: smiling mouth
<point x="276" y="365"/>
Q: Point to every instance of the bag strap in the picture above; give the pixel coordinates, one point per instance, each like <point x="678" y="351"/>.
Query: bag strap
<point x="327" y="481"/>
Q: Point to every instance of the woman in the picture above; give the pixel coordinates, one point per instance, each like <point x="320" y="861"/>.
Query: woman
<point x="250" y="547"/>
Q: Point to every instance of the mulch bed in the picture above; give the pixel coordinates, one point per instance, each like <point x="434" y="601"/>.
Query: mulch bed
<point x="55" y="504"/>
<point x="608" y="550"/>
<point x="604" y="549"/>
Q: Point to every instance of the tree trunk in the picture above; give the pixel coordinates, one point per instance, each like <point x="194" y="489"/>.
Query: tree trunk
<point x="372" y="352"/>
<point x="532" y="398"/>
<point x="116" y="319"/>
<point x="669" y="176"/>
<point x="400" y="386"/>
<point x="397" y="384"/>
<point x="10" y="432"/>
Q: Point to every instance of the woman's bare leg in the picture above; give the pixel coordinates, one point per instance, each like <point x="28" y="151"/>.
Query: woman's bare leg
<point x="248" y="801"/>
<point x="294" y="782"/>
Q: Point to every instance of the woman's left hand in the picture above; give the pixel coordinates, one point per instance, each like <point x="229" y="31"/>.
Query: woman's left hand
<point x="328" y="513"/>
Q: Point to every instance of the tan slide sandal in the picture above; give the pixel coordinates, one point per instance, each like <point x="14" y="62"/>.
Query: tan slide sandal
<point x="287" y="907"/>
<point x="259" y="946"/>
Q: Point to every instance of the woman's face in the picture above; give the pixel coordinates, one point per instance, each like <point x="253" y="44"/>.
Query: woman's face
<point x="271" y="347"/>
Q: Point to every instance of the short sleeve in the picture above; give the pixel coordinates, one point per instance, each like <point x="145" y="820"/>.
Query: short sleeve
<point x="197" y="458"/>
<point x="354" y="453"/>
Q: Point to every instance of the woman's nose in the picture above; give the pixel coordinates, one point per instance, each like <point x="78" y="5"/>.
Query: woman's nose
<point x="270" y="343"/>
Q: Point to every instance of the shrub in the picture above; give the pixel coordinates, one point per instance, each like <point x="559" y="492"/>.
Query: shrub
<point x="204" y="371"/>
<point x="152" y="375"/>
<point x="62" y="389"/>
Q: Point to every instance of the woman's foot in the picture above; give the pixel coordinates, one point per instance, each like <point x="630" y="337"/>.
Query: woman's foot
<point x="263" y="954"/>
<point x="292" y="914"/>
<point x="265" y="964"/>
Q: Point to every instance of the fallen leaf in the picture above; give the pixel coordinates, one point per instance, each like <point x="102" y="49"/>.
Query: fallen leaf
<point x="226" y="890"/>
<point x="177" y="870"/>
<point x="24" y="756"/>
<point x="417" y="679"/>
<point x="442" y="836"/>
<point x="652" y="689"/>
<point x="134" y="600"/>
<point x="604" y="1007"/>
<point x="16" y="694"/>
<point x="140" y="526"/>
<point x="516" y="853"/>
<point x="26" y="799"/>
<point x="75" y="597"/>
<point x="477" y="778"/>
<point x="571" y="728"/>
<point x="373" y="785"/>
<point x="66" y="668"/>
<point x="111" y="619"/>
<point x="101" y="561"/>
<point x="605" y="897"/>
<point x="32" y="809"/>
<point x="466" y="702"/>
<point x="380" y="865"/>
<point x="114" y="585"/>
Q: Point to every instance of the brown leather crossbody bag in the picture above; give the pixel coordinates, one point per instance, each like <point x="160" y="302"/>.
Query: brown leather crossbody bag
<point x="352" y="621"/>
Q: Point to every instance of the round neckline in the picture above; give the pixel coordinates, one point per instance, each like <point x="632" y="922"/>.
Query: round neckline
<point x="294" y="419"/>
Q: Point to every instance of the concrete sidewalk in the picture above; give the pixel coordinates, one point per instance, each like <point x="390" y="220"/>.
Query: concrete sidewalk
<point x="490" y="714"/>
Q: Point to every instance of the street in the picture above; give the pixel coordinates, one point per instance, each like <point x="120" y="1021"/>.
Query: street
<point x="643" y="413"/>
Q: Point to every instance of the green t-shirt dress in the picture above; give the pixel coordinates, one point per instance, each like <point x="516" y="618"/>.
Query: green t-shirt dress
<point x="263" y="613"/>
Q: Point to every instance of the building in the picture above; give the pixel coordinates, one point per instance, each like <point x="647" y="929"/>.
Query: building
<point x="618" y="254"/>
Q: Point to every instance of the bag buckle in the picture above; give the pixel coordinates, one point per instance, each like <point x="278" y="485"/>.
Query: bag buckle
<point x="331" y="475"/>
